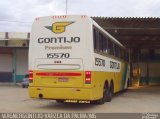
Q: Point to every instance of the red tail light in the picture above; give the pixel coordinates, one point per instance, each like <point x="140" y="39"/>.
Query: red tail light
<point x="30" y="76"/>
<point x="88" y="77"/>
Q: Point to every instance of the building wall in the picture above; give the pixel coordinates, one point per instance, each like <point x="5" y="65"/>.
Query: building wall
<point x="21" y="63"/>
<point x="6" y="67"/>
<point x="13" y="56"/>
<point x="154" y="73"/>
<point x="149" y="65"/>
<point x="13" y="64"/>
<point x="150" y="73"/>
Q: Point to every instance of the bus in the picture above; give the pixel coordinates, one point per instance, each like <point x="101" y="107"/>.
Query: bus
<point x="72" y="58"/>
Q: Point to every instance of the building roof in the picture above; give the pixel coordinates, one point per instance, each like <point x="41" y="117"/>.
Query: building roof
<point x="133" y="32"/>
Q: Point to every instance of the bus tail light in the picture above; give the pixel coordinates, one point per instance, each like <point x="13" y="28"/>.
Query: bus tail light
<point x="88" y="77"/>
<point x="30" y="76"/>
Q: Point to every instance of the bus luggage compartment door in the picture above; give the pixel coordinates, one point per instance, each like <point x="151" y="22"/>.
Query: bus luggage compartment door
<point x="59" y="73"/>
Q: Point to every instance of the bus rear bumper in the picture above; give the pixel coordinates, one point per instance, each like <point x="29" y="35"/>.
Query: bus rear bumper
<point x="61" y="93"/>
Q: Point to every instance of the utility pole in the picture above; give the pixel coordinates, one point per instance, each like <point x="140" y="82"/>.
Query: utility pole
<point x="66" y="7"/>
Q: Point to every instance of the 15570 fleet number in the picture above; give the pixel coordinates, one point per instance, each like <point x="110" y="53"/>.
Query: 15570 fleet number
<point x="58" y="55"/>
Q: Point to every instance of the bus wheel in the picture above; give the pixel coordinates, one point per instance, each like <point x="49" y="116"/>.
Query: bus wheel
<point x="104" y="98"/>
<point x="109" y="93"/>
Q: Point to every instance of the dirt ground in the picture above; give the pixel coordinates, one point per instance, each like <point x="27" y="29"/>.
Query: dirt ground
<point x="140" y="99"/>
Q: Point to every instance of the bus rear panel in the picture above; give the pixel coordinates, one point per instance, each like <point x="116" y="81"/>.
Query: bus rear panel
<point x="73" y="58"/>
<point x="59" y="48"/>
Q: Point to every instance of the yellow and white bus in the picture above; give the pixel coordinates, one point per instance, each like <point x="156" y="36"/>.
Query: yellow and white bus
<point x="73" y="58"/>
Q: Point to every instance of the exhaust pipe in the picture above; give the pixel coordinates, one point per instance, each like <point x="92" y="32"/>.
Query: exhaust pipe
<point x="40" y="96"/>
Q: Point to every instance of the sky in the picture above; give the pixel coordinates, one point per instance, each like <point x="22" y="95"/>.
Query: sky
<point x="18" y="15"/>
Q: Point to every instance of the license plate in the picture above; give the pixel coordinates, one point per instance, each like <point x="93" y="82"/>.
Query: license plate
<point x="63" y="79"/>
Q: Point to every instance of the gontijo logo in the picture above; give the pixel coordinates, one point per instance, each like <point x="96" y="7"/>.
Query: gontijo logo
<point x="58" y="27"/>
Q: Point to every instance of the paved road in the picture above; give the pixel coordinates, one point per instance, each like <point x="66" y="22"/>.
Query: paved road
<point x="142" y="99"/>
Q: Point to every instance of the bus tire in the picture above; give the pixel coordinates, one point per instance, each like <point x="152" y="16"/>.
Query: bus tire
<point x="103" y="99"/>
<point x="110" y="92"/>
<point x="23" y="86"/>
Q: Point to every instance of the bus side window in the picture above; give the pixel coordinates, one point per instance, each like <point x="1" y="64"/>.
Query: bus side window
<point x="100" y="42"/>
<point x="116" y="51"/>
<point x="97" y="41"/>
<point x="105" y="45"/>
<point x="109" y="47"/>
<point x="122" y="54"/>
<point x="112" y="48"/>
<point x="94" y="39"/>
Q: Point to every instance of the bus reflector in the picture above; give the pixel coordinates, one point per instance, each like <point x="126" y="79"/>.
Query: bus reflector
<point x="37" y="18"/>
<point x="59" y="16"/>
<point x="58" y="74"/>
<point x="83" y="16"/>
<point x="30" y="76"/>
<point x="88" y="78"/>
